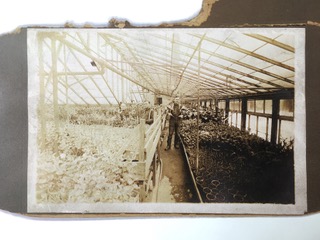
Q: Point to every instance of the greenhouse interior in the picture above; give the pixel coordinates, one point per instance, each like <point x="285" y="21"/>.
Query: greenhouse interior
<point x="105" y="100"/>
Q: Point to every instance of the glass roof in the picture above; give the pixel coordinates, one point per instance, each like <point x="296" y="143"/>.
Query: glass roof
<point x="103" y="66"/>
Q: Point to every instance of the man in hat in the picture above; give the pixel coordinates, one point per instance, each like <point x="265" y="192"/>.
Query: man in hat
<point x="174" y="114"/>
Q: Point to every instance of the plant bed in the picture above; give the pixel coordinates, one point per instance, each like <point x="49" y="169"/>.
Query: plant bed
<point x="85" y="164"/>
<point x="235" y="166"/>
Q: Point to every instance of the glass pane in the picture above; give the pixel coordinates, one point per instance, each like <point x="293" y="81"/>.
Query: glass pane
<point x="222" y="104"/>
<point x="286" y="131"/>
<point x="269" y="129"/>
<point x="253" y="125"/>
<point x="234" y="119"/>
<point x="268" y="106"/>
<point x="236" y="105"/>
<point x="259" y="106"/>
<point x="240" y="105"/>
<point x="231" y="105"/>
<point x="286" y="107"/>
<point x="208" y="104"/>
<point x="248" y="122"/>
<point x="262" y="127"/>
<point x="251" y="106"/>
<point x="239" y="121"/>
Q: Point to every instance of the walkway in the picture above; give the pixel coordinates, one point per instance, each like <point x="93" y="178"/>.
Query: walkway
<point x="176" y="183"/>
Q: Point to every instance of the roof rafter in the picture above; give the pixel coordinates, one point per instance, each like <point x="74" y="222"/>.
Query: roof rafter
<point x="216" y="72"/>
<point x="123" y="55"/>
<point x="77" y="79"/>
<point x="237" y="71"/>
<point x="189" y="61"/>
<point x="237" y="62"/>
<point x="101" y="61"/>
<point x="206" y="81"/>
<point x="244" y="51"/>
<point x="271" y="41"/>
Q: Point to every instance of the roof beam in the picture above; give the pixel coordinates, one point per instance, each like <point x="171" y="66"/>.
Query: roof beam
<point x="62" y="92"/>
<point x="70" y="73"/>
<point x="92" y="80"/>
<point x="123" y="55"/>
<point x="216" y="72"/>
<point x="112" y="67"/>
<point x="62" y="82"/>
<point x="171" y="60"/>
<point x="243" y="74"/>
<point x="190" y="58"/>
<point x="170" y="70"/>
<point x="244" y="51"/>
<point x="192" y="78"/>
<point x="272" y="42"/>
<point x="204" y="81"/>
<point x="237" y="62"/>
<point x="101" y="61"/>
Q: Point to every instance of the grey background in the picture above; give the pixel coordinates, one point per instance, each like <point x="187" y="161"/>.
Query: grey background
<point x="13" y="122"/>
<point x="313" y="117"/>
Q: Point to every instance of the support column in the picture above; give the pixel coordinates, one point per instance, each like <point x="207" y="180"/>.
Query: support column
<point x="198" y="137"/>
<point x="143" y="186"/>
<point x="66" y="75"/>
<point x="275" y="117"/>
<point x="244" y="108"/>
<point x="216" y="107"/>
<point x="55" y="83"/>
<point x="123" y="98"/>
<point x="198" y="109"/>
<point x="227" y="107"/>
<point x="142" y="139"/>
<point x="42" y="91"/>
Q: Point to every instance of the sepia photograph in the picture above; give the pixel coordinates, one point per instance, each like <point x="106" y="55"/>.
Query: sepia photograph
<point x="154" y="120"/>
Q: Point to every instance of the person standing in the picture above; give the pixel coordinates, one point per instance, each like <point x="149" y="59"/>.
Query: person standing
<point x="122" y="108"/>
<point x="174" y="113"/>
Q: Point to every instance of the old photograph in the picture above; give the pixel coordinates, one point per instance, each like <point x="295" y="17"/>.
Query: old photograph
<point x="166" y="120"/>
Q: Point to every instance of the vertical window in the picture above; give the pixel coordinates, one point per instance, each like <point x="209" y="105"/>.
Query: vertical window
<point x="248" y="122"/>
<point x="239" y="120"/>
<point x="269" y="129"/>
<point x="250" y="106"/>
<point x="222" y="104"/>
<point x="262" y="127"/>
<point x="268" y="106"/>
<point x="259" y="106"/>
<point x="253" y="124"/>
<point x="286" y="131"/>
<point x="286" y="107"/>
